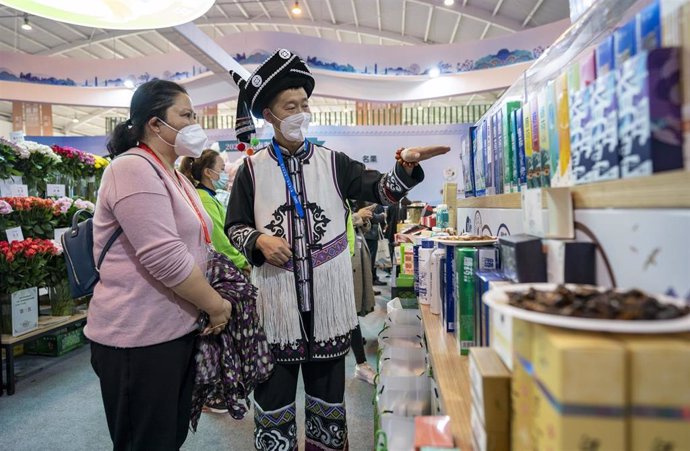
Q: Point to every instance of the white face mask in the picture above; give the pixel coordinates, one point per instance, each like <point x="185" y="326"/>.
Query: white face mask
<point x="190" y="141"/>
<point x="294" y="128"/>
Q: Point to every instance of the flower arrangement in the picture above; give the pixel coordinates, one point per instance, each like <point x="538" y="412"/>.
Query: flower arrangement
<point x="37" y="217"/>
<point x="36" y="162"/>
<point x="67" y="207"/>
<point x="75" y="163"/>
<point x="9" y="154"/>
<point x="23" y="263"/>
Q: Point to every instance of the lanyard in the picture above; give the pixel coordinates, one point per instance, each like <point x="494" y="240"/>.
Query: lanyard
<point x="182" y="188"/>
<point x="286" y="176"/>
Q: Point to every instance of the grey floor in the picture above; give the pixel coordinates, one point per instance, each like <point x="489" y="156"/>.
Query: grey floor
<point x="57" y="405"/>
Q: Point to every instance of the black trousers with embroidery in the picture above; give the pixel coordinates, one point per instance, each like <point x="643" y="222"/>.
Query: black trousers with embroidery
<point x="324" y="385"/>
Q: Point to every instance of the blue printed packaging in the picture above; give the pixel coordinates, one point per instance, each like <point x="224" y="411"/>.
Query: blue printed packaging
<point x="604" y="130"/>
<point x="649" y="120"/>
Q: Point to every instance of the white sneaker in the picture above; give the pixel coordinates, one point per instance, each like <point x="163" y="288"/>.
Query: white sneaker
<point x="365" y="372"/>
<point x="207" y="409"/>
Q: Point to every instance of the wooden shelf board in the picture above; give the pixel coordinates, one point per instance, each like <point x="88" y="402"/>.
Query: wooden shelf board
<point x="665" y="190"/>
<point x="42" y="328"/>
<point x="451" y="371"/>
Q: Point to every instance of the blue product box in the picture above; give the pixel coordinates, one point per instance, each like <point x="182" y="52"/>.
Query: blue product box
<point x="415" y="263"/>
<point x="625" y="42"/>
<point x="480" y="161"/>
<point x="489" y="156"/>
<point x="580" y="138"/>
<point x="483" y="318"/>
<point x="604" y="56"/>
<point x="604" y="129"/>
<point x="496" y="152"/>
<point x="649" y="27"/>
<point x="499" y="153"/>
<point x="649" y="116"/>
<point x="467" y="156"/>
<point x="520" y="161"/>
<point x="451" y="289"/>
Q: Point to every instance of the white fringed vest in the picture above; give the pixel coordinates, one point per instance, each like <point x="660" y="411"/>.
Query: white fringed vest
<point x="333" y="310"/>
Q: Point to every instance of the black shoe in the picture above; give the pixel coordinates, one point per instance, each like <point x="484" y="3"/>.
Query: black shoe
<point x="379" y="283"/>
<point x="377" y="293"/>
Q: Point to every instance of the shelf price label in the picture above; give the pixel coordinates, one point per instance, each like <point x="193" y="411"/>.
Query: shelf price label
<point x="19" y="190"/>
<point x="14" y="234"/>
<point x="55" y="190"/>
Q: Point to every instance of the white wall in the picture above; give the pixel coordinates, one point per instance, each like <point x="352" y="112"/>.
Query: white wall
<point x="357" y="142"/>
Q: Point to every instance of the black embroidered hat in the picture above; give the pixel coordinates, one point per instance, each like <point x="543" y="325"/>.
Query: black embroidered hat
<point x="283" y="70"/>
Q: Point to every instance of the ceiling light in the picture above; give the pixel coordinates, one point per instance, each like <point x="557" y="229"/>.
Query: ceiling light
<point x="115" y="14"/>
<point x="129" y="84"/>
<point x="296" y="10"/>
<point x="448" y="2"/>
<point x="75" y="120"/>
<point x="434" y="72"/>
<point x="26" y="25"/>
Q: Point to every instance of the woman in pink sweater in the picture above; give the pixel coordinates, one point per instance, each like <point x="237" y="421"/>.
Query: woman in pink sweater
<point x="142" y="317"/>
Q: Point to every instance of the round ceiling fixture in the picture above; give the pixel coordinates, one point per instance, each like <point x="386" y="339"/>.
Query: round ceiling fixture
<point x="115" y="14"/>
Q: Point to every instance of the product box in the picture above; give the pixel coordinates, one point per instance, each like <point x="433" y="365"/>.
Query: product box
<point x="527" y="142"/>
<point x="490" y="382"/>
<point x="588" y="71"/>
<point x="580" y="136"/>
<point x="415" y="259"/>
<point x="649" y="120"/>
<point x="510" y="181"/>
<point x="547" y="116"/>
<point x="522" y="258"/>
<point x="675" y="18"/>
<point x="57" y="343"/>
<point x="485" y="280"/>
<point x="467" y="261"/>
<point x="625" y="41"/>
<point x="605" y="160"/>
<point x="432" y="431"/>
<point x="449" y="301"/>
<point x="659" y="392"/>
<point x="487" y="440"/>
<point x="425" y="251"/>
<point x="489" y="156"/>
<point x="520" y="159"/>
<point x="468" y="148"/>
<point x="502" y="337"/>
<point x="572" y="75"/>
<point x="570" y="262"/>
<point x="523" y="388"/>
<point x="581" y="399"/>
<point x="536" y="156"/>
<point x="499" y="151"/>
<point x="450" y="198"/>
<point x="649" y="27"/>
<point x="480" y="161"/>
<point x="605" y="57"/>
<point x="561" y="173"/>
<point x="407" y="259"/>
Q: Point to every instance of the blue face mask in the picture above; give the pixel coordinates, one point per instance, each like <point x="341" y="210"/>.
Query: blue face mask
<point x="222" y="181"/>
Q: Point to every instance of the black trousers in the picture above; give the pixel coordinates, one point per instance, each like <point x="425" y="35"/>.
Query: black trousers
<point x="373" y="246"/>
<point x="147" y="393"/>
<point x="358" y="345"/>
<point x="323" y="380"/>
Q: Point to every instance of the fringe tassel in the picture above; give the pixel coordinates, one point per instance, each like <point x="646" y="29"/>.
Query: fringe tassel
<point x="334" y="298"/>
<point x="277" y="304"/>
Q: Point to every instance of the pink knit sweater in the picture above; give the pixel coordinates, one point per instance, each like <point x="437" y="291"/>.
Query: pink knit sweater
<point x="162" y="240"/>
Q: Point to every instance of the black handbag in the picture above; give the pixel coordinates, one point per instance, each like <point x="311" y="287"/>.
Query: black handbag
<point x="77" y="247"/>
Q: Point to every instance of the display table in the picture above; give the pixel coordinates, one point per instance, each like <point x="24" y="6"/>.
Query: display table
<point x="46" y="325"/>
<point x="451" y="372"/>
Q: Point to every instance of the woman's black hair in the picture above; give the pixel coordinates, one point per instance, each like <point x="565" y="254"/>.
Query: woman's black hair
<point x="151" y="99"/>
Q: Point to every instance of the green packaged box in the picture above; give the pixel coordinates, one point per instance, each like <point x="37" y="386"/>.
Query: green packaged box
<point x="509" y="183"/>
<point x="465" y="265"/>
<point x="57" y="343"/>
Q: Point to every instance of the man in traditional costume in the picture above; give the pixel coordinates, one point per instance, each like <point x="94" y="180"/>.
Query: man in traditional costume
<point x="287" y="214"/>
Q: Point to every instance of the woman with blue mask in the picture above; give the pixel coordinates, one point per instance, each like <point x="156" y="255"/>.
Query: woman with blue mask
<point x="207" y="173"/>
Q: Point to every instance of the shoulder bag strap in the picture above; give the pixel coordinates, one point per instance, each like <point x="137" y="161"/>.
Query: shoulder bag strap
<point x="118" y="232"/>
